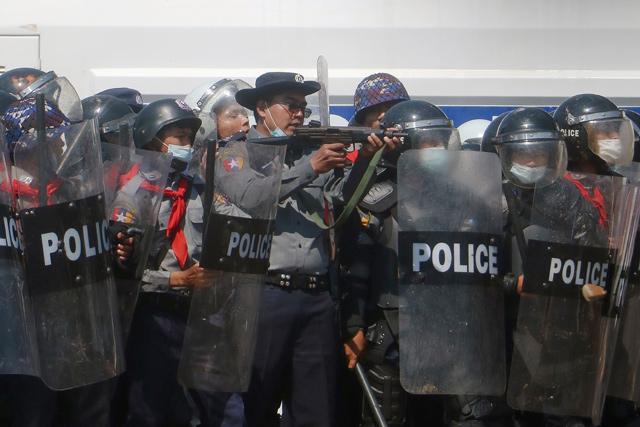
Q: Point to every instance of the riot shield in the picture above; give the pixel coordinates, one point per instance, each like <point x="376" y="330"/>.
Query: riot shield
<point x="563" y="338"/>
<point x="449" y="251"/>
<point x="59" y="183"/>
<point x="221" y="331"/>
<point x="134" y="183"/>
<point x="17" y="346"/>
<point x="624" y="381"/>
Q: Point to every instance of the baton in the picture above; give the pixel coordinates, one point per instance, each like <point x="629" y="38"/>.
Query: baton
<point x="371" y="399"/>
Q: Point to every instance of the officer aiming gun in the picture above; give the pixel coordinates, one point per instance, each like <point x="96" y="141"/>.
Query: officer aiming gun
<point x="315" y="135"/>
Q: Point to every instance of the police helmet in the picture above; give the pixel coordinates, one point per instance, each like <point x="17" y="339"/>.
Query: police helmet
<point x="16" y="80"/>
<point x="426" y="125"/>
<point x="110" y="112"/>
<point x="531" y="148"/>
<point x="377" y="89"/>
<point x="490" y="132"/>
<point x="597" y="134"/>
<point x="158" y="114"/>
<point x="209" y="99"/>
<point x="132" y="97"/>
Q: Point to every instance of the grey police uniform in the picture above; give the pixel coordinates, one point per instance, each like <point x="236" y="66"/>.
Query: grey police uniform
<point x="157" y="330"/>
<point x="297" y="334"/>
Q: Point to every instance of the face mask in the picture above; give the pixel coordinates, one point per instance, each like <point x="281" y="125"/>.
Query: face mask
<point x="610" y="150"/>
<point x="277" y="132"/>
<point x="526" y="174"/>
<point x="184" y="154"/>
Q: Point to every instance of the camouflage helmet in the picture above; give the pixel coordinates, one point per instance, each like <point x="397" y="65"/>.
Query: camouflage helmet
<point x="377" y="89"/>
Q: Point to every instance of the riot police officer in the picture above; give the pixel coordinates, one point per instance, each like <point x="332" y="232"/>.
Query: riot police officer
<point x="32" y="402"/>
<point x="600" y="140"/>
<point x="157" y="330"/>
<point x="548" y="207"/>
<point x="372" y="275"/>
<point x="373" y="96"/>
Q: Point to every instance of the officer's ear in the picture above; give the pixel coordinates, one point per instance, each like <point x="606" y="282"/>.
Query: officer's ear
<point x="260" y="112"/>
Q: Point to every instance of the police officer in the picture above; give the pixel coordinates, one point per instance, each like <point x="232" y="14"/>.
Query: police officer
<point x="373" y="96"/>
<point x="295" y="360"/>
<point x="32" y="403"/>
<point x="157" y="331"/>
<point x="222" y="118"/>
<point x="372" y="275"/>
<point x="600" y="139"/>
<point x="532" y="154"/>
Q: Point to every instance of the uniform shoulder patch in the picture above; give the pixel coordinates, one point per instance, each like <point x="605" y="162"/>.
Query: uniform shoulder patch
<point x="233" y="163"/>
<point x="123" y="215"/>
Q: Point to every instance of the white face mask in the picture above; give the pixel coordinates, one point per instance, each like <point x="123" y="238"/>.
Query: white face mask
<point x="610" y="150"/>
<point x="526" y="174"/>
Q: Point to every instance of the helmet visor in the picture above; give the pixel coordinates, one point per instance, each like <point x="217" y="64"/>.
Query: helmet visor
<point x="611" y="140"/>
<point x="444" y="138"/>
<point x="532" y="164"/>
<point x="59" y="92"/>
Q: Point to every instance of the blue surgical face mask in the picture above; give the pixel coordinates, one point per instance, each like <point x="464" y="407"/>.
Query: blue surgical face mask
<point x="184" y="154"/>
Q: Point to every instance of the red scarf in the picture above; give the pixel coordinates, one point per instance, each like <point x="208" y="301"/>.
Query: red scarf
<point x="21" y="189"/>
<point x="597" y="200"/>
<point x="174" y="230"/>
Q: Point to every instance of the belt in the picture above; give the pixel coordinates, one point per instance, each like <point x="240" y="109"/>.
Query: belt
<point x="307" y="282"/>
<point x="177" y="303"/>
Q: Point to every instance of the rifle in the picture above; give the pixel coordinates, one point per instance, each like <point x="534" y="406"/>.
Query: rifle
<point x="317" y="135"/>
<point x="314" y="135"/>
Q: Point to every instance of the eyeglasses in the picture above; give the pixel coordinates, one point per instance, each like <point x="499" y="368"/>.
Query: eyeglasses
<point x="293" y="108"/>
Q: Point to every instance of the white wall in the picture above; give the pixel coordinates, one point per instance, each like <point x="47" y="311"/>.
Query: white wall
<point x="451" y="51"/>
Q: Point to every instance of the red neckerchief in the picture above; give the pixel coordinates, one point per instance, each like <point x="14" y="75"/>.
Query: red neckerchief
<point x="21" y="189"/>
<point x="597" y="200"/>
<point x="174" y="230"/>
<point x="146" y="185"/>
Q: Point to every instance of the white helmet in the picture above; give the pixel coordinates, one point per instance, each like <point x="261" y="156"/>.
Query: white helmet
<point x="204" y="99"/>
<point x="471" y="133"/>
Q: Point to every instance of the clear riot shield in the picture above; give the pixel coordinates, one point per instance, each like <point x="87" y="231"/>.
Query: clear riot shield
<point x="449" y="248"/>
<point x="220" y="337"/>
<point x="17" y="346"/>
<point x="134" y="183"/>
<point x="563" y="338"/>
<point x="624" y="381"/>
<point x="59" y="182"/>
